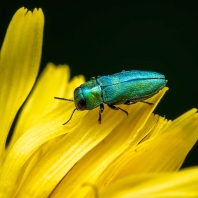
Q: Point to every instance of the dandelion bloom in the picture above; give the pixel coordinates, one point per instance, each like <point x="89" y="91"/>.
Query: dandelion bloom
<point x="135" y="156"/>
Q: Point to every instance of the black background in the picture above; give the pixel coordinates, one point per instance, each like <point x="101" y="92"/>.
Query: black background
<point x="99" y="38"/>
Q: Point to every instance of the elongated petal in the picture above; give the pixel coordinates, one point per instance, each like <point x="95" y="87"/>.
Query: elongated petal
<point x="66" y="153"/>
<point x="47" y="128"/>
<point x="52" y="82"/>
<point x="162" y="153"/>
<point x="28" y="143"/>
<point x="178" y="185"/>
<point x="92" y="165"/>
<point x="55" y="164"/>
<point x="19" y="64"/>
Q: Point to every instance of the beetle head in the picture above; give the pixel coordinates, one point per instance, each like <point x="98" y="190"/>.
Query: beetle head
<point x="79" y="99"/>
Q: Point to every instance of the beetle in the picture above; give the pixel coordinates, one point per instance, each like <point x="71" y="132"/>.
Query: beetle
<point x="126" y="87"/>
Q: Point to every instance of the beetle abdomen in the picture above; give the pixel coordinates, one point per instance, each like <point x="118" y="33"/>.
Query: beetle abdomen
<point x="130" y="86"/>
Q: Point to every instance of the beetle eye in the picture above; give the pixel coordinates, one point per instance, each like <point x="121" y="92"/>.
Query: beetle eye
<point x="82" y="104"/>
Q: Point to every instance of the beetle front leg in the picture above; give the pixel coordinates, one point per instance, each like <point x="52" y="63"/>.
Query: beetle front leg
<point x="117" y="108"/>
<point x="100" y="112"/>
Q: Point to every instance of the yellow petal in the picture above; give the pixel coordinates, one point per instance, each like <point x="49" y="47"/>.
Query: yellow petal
<point x="19" y="65"/>
<point x="60" y="158"/>
<point x="165" y="152"/>
<point x="52" y="82"/>
<point x="47" y="128"/>
<point x="63" y="156"/>
<point x="91" y="166"/>
<point x="177" y="185"/>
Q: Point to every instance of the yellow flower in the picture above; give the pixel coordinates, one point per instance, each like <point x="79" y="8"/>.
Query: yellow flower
<point x="135" y="156"/>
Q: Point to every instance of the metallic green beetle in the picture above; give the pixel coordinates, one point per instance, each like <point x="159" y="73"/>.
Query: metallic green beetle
<point x="126" y="87"/>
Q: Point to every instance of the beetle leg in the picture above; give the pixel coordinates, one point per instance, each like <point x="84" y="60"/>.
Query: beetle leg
<point x="100" y="111"/>
<point x="117" y="108"/>
<point x="129" y="102"/>
<point x="149" y="103"/>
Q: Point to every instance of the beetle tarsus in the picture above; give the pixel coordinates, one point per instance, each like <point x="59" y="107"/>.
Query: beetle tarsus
<point x="117" y="108"/>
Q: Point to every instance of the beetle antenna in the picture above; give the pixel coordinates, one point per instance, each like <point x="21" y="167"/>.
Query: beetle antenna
<point x="64" y="99"/>
<point x="70" y="116"/>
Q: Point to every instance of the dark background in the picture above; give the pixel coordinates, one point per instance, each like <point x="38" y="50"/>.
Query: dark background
<point x="99" y="38"/>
